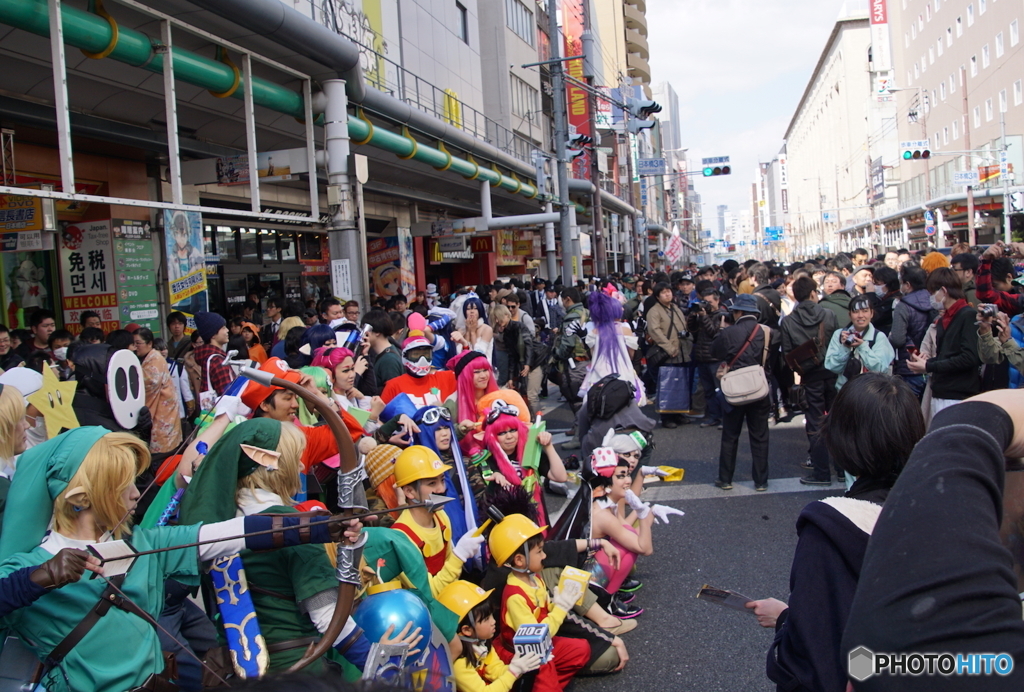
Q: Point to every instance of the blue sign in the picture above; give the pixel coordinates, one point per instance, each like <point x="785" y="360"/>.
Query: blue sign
<point x="742" y="243"/>
<point x="705" y="234"/>
<point x="767" y="242"/>
<point x="828" y="216"/>
<point x="714" y="160"/>
<point x="650" y="166"/>
<point x="773" y="232"/>
<point x="929" y="216"/>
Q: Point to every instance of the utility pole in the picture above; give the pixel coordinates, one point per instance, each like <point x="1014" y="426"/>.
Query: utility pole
<point x="972" y="233"/>
<point x="1004" y="173"/>
<point x="589" y="74"/>
<point x="561" y="134"/>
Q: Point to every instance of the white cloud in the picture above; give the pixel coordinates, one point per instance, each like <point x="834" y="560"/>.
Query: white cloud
<point x="739" y="67"/>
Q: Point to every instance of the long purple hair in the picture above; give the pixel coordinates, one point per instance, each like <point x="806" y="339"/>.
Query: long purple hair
<point x="605" y="313"/>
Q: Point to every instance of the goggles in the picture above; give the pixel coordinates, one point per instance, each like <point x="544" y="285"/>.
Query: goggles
<point x="499" y="407"/>
<point x="436" y="413"/>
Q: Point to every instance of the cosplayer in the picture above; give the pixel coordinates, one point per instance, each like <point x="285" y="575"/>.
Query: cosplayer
<point x="13" y="424"/>
<point x="344" y="368"/>
<point x="420" y="377"/>
<point x="477" y="334"/>
<point x="82" y="483"/>
<point x="475" y="379"/>
<point x="507" y="460"/>
<point x="479" y="669"/>
<point x="611" y="342"/>
<point x="251" y="334"/>
<point x="434" y="430"/>
<point x="518" y="543"/>
<point x="419" y="474"/>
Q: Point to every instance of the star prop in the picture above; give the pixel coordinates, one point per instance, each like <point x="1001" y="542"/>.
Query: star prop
<point x="54" y="401"/>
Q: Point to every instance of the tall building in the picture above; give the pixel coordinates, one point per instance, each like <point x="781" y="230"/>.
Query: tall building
<point x="722" y="210"/>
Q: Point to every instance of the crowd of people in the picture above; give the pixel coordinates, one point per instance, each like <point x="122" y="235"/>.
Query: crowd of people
<point x="228" y="445"/>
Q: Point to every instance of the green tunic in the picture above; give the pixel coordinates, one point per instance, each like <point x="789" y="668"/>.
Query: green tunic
<point x="5" y="485"/>
<point x="121" y="650"/>
<point x="297" y="573"/>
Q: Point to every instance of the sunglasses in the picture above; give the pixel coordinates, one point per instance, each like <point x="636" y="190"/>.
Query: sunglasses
<point x="436" y="413"/>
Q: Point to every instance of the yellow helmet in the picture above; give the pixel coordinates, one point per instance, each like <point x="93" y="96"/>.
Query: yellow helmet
<point x="418" y="463"/>
<point x="461" y="597"/>
<point x="510" y="535"/>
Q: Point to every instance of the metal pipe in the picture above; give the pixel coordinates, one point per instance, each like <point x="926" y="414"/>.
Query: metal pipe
<point x="485" y="202"/>
<point x="549" y="246"/>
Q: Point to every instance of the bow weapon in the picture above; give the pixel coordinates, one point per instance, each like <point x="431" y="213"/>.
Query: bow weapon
<point x="351" y="497"/>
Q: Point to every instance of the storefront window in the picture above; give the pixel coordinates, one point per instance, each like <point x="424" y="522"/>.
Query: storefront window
<point x="310" y="247"/>
<point x="287" y="247"/>
<point x="268" y="246"/>
<point x="208" y="241"/>
<point x="249" y="245"/>
<point x="227" y="247"/>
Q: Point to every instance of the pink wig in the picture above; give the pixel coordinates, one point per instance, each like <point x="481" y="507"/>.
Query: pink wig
<point x="466" y="393"/>
<point x="506" y="422"/>
<point x="330" y="357"/>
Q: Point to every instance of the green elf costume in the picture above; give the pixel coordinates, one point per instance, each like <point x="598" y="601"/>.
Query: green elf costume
<point x="95" y="662"/>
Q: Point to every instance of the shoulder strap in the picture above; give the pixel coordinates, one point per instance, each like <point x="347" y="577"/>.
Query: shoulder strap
<point x="745" y="344"/>
<point x="821" y="332"/>
<point x="767" y="342"/>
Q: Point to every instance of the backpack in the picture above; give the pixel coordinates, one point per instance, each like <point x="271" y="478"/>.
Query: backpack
<point x="608" y="396"/>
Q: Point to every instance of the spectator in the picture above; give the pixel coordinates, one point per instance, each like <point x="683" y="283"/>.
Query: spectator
<point x="236" y="342"/>
<point x="251" y="335"/>
<point x="91" y="335"/>
<point x="270" y="331"/>
<point x="665" y="325"/>
<point x="954" y="369"/>
<point x="910" y="321"/>
<point x="186" y="400"/>
<point x="965" y="266"/>
<point x="60" y="339"/>
<point x="809" y="323"/>
<point x="552" y="309"/>
<point x="330" y="309"/>
<point x="994" y="279"/>
<point x="768" y="299"/>
<point x="178" y="342"/>
<point x="999" y="340"/>
<point x="887" y="288"/>
<point x="934" y="260"/>
<point x="518" y="343"/>
<point x="309" y="317"/>
<point x="8" y="358"/>
<point x="892" y="260"/>
<point x="162" y="394"/>
<point x="862" y="281"/>
<point x="90" y="318"/>
<point x="937" y="574"/>
<point x="121" y="339"/>
<point x="41" y="324"/>
<point x="860" y="348"/>
<point x="513" y="301"/>
<point x="870" y="434"/>
<point x="215" y="373"/>
<point x="351" y="310"/>
<point x="860" y="257"/>
<point x="729" y="344"/>
<point x="836" y="298"/>
<point x="384" y="357"/>
<point x="705" y="321"/>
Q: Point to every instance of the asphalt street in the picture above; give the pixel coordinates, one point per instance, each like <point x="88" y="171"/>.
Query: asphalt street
<point x="738" y="540"/>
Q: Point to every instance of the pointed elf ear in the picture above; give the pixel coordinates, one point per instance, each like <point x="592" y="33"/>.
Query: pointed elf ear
<point x="267" y="458"/>
<point x="77" y="497"/>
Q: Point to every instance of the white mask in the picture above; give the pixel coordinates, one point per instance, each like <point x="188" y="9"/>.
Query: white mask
<point x="36" y="433"/>
<point x="419" y="368"/>
<point x="938" y="300"/>
<point x="61" y="353"/>
<point x="880" y="291"/>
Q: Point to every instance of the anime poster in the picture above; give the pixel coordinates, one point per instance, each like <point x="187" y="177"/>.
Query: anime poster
<point x="186" y="261"/>
<point x="384" y="263"/>
<point x="406" y="262"/>
<point x="27" y="285"/>
<point x="87" y="273"/>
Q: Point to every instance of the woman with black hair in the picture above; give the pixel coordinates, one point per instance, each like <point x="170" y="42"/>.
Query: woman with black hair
<point x="870" y="433"/>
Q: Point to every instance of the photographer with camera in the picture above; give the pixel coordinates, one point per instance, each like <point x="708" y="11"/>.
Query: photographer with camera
<point x="1000" y="340"/>
<point x="706" y="319"/>
<point x="993" y="278"/>
<point x="859" y="348"/>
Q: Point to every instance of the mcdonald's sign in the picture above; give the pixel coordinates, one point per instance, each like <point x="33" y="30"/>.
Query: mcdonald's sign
<point x="481" y="243"/>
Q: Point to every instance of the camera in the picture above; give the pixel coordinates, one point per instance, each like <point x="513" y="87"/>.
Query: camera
<point x="851" y="338"/>
<point x="987" y="310"/>
<point x="705" y="306"/>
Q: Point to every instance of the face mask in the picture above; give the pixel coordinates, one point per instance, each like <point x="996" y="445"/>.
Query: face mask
<point x="36" y="434"/>
<point x="61" y="353"/>
<point x="938" y="300"/>
<point x="420" y="368"/>
<point x="880" y="291"/>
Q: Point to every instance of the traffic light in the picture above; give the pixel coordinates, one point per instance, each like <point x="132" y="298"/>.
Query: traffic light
<point x="913" y="151"/>
<point x="710" y="171"/>
<point x="640" y="109"/>
<point x="575" y="146"/>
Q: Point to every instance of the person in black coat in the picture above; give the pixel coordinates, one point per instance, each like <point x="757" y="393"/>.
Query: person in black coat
<point x="870" y="433"/>
<point x="727" y="345"/>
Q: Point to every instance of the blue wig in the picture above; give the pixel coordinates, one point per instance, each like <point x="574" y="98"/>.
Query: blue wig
<point x="464" y="518"/>
<point x="317" y="335"/>
<point x="478" y="304"/>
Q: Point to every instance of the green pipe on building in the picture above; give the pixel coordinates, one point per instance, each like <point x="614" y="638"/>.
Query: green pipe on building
<point x="92" y="33"/>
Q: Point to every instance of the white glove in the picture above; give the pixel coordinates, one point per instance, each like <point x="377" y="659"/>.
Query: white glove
<point x="642" y="509"/>
<point x="231" y="406"/>
<point x="468" y="546"/>
<point x="662" y="512"/>
<point x="524" y="663"/>
<point x="653" y="471"/>
<point x="566" y="597"/>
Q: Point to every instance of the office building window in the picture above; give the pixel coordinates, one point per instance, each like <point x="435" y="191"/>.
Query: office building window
<point x="949" y="36"/>
<point x="1014" y="33"/>
<point x="524" y="99"/>
<point x="959" y="27"/>
<point x="985" y="58"/>
<point x="913" y="31"/>
<point x="982" y="6"/>
<point x="952" y="84"/>
<point x="1002" y="101"/>
<point x="999" y="44"/>
<point x="977" y="117"/>
<point x="938" y="47"/>
<point x="974" y="65"/>
<point x="1018" y="92"/>
<point x="956" y="130"/>
<point x="989" y="114"/>
<point x="519" y="19"/>
<point x="462" y="19"/>
<point x="970" y="15"/>
<point x="942" y="91"/>
<point x="945" y="135"/>
<point x="931" y="56"/>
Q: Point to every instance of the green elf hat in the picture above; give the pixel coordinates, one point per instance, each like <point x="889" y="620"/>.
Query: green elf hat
<point x="400" y="556"/>
<point x="43" y="474"/>
<point x="211" y="494"/>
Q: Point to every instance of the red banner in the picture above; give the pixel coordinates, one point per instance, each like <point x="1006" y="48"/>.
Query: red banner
<point x="578" y="104"/>
<point x="879" y="12"/>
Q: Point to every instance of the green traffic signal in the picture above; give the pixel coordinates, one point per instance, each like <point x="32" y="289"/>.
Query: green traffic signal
<point x="907" y="155"/>
<point x="708" y="172"/>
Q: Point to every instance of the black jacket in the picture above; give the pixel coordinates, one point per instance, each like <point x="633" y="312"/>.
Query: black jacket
<point x="731" y="339"/>
<point x="954" y="368"/>
<point x="936" y="577"/>
<point x="884" y="312"/>
<point x="704" y="328"/>
<point x="771" y="305"/>
<point x="802" y="325"/>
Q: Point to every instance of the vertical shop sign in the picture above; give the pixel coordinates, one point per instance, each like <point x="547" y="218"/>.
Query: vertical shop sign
<point x="406" y="260"/>
<point x="87" y="273"/>
<point x="578" y="106"/>
<point x="186" y="262"/>
<point x="135" y="271"/>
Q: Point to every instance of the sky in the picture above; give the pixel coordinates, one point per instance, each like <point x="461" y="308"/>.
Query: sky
<point x="739" y="68"/>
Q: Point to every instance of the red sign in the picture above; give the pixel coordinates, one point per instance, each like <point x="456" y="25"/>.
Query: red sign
<point x="578" y="106"/>
<point x="879" y="12"/>
<point x="481" y="243"/>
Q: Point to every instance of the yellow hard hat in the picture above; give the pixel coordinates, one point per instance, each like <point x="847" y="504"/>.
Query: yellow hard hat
<point x="418" y="463"/>
<point x="461" y="597"/>
<point x="510" y="535"/>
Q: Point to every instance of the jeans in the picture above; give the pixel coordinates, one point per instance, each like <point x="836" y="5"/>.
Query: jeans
<point x="756" y="415"/>
<point x="820" y="395"/>
<point x="190" y="626"/>
<point x="708" y="380"/>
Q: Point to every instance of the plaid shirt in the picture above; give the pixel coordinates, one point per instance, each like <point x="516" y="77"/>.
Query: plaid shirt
<point x="1011" y="304"/>
<point x="220" y="373"/>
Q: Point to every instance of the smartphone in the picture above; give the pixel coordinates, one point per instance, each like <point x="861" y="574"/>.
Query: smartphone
<point x="912" y="350"/>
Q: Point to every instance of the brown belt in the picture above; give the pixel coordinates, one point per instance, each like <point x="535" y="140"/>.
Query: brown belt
<point x="289" y="644"/>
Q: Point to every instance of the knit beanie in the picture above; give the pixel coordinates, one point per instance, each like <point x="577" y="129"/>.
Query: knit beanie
<point x="208" y="324"/>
